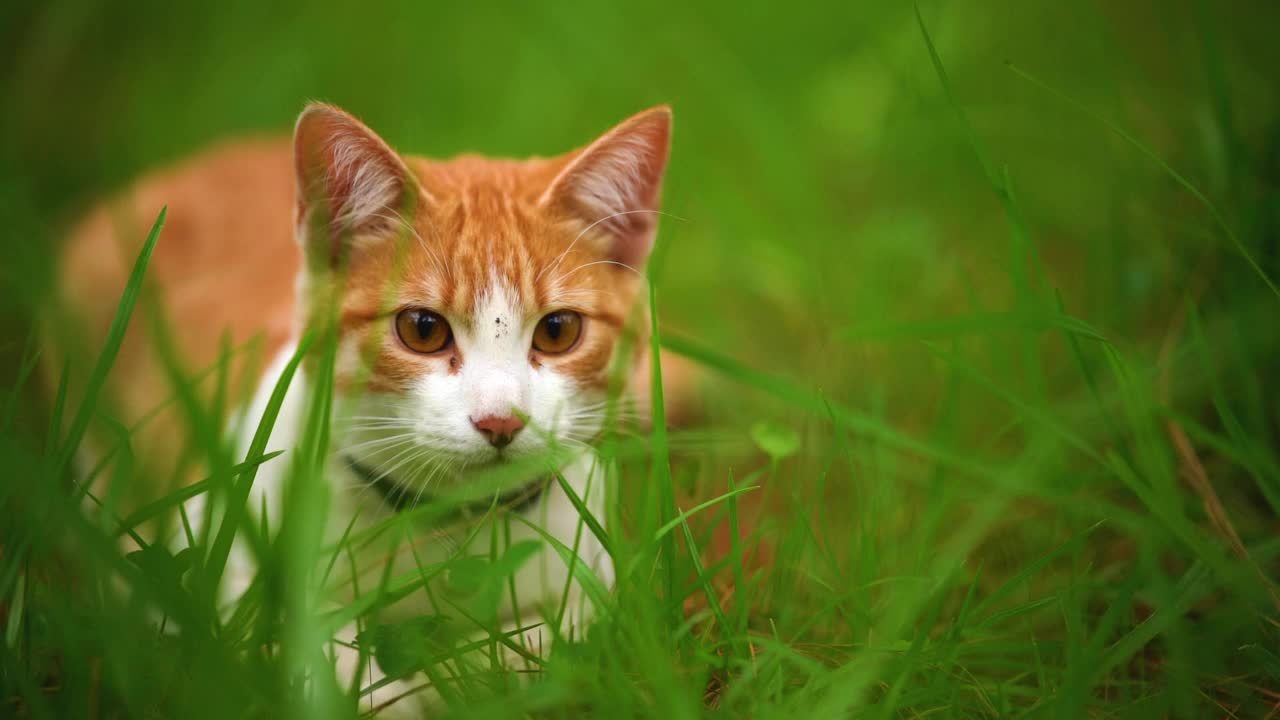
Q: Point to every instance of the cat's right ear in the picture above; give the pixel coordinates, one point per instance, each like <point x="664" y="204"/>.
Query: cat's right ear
<point x="351" y="185"/>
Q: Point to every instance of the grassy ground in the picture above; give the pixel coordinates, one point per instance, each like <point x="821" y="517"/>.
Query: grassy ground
<point x="988" y="313"/>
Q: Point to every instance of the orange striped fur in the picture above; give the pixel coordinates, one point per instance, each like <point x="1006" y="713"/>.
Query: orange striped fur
<point x="386" y="232"/>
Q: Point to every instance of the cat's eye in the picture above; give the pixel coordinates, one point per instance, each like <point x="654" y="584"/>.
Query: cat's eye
<point x="423" y="331"/>
<point x="557" y="332"/>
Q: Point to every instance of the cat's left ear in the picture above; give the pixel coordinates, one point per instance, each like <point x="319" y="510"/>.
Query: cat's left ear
<point x="615" y="183"/>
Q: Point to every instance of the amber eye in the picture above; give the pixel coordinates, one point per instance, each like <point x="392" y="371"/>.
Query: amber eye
<point x="423" y="331"/>
<point x="557" y="332"/>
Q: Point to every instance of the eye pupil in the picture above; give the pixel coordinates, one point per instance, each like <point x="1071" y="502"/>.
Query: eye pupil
<point x="423" y="331"/>
<point x="426" y="325"/>
<point x="557" y="332"/>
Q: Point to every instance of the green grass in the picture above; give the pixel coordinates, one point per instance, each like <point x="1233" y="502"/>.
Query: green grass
<point x="958" y="279"/>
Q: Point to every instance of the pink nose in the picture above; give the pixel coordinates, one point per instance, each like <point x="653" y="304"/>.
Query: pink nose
<point x="499" y="431"/>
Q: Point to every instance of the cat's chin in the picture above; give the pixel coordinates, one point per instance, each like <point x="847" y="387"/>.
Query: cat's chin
<point x="503" y="464"/>
<point x="511" y="464"/>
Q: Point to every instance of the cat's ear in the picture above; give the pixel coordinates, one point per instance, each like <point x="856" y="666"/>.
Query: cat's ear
<point x="350" y="183"/>
<point x="615" y="183"/>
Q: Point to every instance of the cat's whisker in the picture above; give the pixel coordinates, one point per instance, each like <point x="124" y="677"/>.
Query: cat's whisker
<point x="395" y="216"/>
<point x="441" y="467"/>
<point x="371" y="435"/>
<point x="390" y="440"/>
<point x="361" y="434"/>
<point x="581" y="295"/>
<point x="387" y="469"/>
<point x="431" y="468"/>
<point x="377" y="426"/>
<point x="359" y="490"/>
<point x="374" y="426"/>
<point x="610" y="412"/>
<point x="601" y="262"/>
<point x="601" y="418"/>
<point x="411" y="458"/>
<point x="412" y="480"/>
<point x="376" y="417"/>
<point x="559" y="258"/>
<point x="416" y="463"/>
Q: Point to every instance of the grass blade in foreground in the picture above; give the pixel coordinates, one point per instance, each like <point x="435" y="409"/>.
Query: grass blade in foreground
<point x="115" y="337"/>
<point x="221" y="547"/>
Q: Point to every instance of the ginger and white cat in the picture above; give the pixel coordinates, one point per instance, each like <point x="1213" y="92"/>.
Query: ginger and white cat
<point x="480" y="305"/>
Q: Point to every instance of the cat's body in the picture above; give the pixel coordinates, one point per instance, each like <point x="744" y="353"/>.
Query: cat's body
<point x="479" y="307"/>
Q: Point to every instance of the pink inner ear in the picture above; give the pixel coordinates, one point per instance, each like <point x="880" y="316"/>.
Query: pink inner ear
<point x="345" y="170"/>
<point x="615" y="183"/>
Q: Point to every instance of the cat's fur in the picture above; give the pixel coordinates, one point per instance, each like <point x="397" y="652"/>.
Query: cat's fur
<point x="258" y="231"/>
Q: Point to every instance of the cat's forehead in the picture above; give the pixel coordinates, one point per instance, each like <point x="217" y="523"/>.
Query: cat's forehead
<point x="488" y="252"/>
<point x="497" y="312"/>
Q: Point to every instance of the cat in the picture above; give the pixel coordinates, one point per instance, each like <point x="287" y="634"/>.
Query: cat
<point x="479" y="304"/>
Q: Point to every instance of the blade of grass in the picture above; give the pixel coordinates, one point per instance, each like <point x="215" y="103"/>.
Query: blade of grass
<point x="1023" y="251"/>
<point x="221" y="547"/>
<point x="685" y="514"/>
<point x="54" y="435"/>
<point x="30" y="359"/>
<point x="591" y="585"/>
<point x="1023" y="575"/>
<point x="162" y="505"/>
<point x="812" y="402"/>
<point x="736" y="558"/>
<point x="1190" y="590"/>
<point x="110" y="350"/>
<point x="1038" y="416"/>
<point x="585" y="513"/>
<point x="1177" y="177"/>
<point x="703" y="580"/>
<point x="660" y="460"/>
<point x="563" y="606"/>
<point x="976" y="323"/>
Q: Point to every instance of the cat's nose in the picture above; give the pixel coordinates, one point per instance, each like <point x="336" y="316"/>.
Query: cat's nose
<point x="498" y="430"/>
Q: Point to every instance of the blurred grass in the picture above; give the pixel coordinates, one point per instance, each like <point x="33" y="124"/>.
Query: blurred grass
<point x="978" y="310"/>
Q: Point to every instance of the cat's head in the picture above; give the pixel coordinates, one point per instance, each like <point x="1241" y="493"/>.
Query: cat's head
<point x="480" y="301"/>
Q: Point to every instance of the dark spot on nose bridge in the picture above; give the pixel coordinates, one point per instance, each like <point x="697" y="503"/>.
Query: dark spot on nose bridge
<point x="501" y="324"/>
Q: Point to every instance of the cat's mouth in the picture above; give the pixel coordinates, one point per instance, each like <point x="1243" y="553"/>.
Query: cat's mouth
<point x="400" y="497"/>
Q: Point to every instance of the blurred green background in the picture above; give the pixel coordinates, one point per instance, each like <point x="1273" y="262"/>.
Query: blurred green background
<point x="817" y="164"/>
<point x="820" y="172"/>
<point x="835" y="228"/>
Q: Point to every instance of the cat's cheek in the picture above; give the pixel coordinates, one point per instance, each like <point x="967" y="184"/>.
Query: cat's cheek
<point x="588" y="365"/>
<point x="551" y="397"/>
<point x="390" y="368"/>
